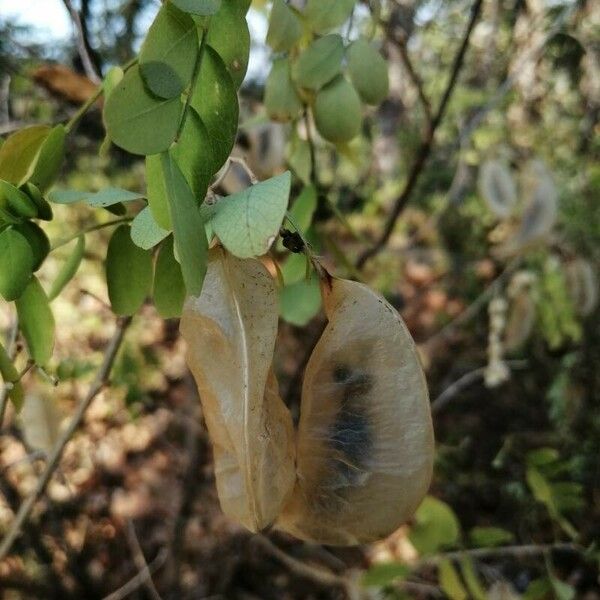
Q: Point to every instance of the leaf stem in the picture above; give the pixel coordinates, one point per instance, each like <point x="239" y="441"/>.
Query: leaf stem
<point x="64" y="242"/>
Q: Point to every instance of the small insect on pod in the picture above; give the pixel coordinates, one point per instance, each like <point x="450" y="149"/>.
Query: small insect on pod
<point x="230" y="331"/>
<point x="365" y="439"/>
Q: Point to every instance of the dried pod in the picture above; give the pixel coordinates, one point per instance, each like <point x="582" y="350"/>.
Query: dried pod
<point x="582" y="285"/>
<point x="520" y="321"/>
<point x="498" y="188"/>
<point x="365" y="439"/>
<point x="230" y="331"/>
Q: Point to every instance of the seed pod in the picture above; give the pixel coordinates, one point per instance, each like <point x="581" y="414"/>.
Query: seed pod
<point x="582" y="285"/>
<point x="497" y="186"/>
<point x="230" y="330"/>
<point x="365" y="439"/>
<point x="520" y="321"/>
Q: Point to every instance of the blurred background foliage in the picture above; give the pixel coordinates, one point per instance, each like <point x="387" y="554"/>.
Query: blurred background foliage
<point x="517" y="419"/>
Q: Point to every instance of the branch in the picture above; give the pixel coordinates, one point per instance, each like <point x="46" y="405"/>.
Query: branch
<point x="57" y="452"/>
<point x="140" y="560"/>
<point x="426" y="146"/>
<point x="82" y="43"/>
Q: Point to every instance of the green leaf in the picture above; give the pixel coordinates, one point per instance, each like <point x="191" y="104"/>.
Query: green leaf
<point x="320" y="62"/>
<point x="304" y="207"/>
<point x="436" y="526"/>
<point x="169" y="287"/>
<point x="337" y="111"/>
<point x="145" y="232"/>
<point x="36" y="321"/>
<point x="324" y="15"/>
<point x="136" y="120"/>
<point x="538" y="589"/>
<point x="11" y="376"/>
<point x="37" y="240"/>
<point x="112" y="78"/>
<point x="368" y="72"/>
<point x="44" y="210"/>
<point x="16" y="264"/>
<point x="192" y="153"/>
<point x="285" y="28"/>
<point x="383" y="574"/>
<point x="229" y="35"/>
<point x="50" y="159"/>
<point x="248" y="222"/>
<point x="281" y="99"/>
<point x="476" y="591"/>
<point x="169" y="52"/>
<point x="198" y="7"/>
<point x="18" y="203"/>
<point x="294" y="269"/>
<point x="156" y="192"/>
<point x="450" y="582"/>
<point x="19" y="153"/>
<point x="102" y="199"/>
<point x="188" y="226"/>
<point x="298" y="158"/>
<point x="488" y="537"/>
<point x="215" y="100"/>
<point x="69" y="268"/>
<point x="300" y="301"/>
<point x="128" y="272"/>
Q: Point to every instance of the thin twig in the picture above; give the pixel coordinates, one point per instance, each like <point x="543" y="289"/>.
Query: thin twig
<point x="426" y="146"/>
<point x="465" y="381"/>
<point x="138" y="580"/>
<point x="69" y="239"/>
<point x="82" y="43"/>
<point x="140" y="560"/>
<point x="54" y="459"/>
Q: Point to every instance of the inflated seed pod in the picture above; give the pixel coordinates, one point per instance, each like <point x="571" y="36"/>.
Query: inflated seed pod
<point x="498" y="188"/>
<point x="230" y="331"/>
<point x="365" y="440"/>
<point x="582" y="285"/>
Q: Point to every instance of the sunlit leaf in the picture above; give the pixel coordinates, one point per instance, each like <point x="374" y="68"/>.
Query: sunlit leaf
<point x="145" y="232"/>
<point x="436" y="526"/>
<point x="247" y="223"/>
<point x="324" y="15"/>
<point x="50" y="159"/>
<point x="136" y="120"/>
<point x="169" y="52"/>
<point x="285" y="28"/>
<point x="19" y="153"/>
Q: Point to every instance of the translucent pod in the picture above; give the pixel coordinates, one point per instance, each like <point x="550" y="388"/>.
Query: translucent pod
<point x="498" y="187"/>
<point x="583" y="285"/>
<point x="230" y="331"/>
<point x="365" y="440"/>
<point x="520" y="322"/>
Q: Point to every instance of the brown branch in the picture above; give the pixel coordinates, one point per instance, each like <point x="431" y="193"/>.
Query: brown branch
<point x="54" y="459"/>
<point x="82" y="43"/>
<point x="426" y="146"/>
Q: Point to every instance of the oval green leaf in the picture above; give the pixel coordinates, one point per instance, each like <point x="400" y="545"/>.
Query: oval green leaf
<point x="16" y="264"/>
<point x="229" y="35"/>
<point x="156" y="192"/>
<point x="337" y="111"/>
<point x="145" y="232"/>
<point x="17" y="202"/>
<point x="215" y="100"/>
<point x="281" y="99"/>
<point x="19" y="153"/>
<point x="11" y="376"/>
<point x="169" y="287"/>
<point x="300" y="301"/>
<point x="128" y="272"/>
<point x="169" y="52"/>
<point x="285" y="28"/>
<point x="50" y="159"/>
<point x="69" y="268"/>
<point x="325" y="15"/>
<point x="136" y="120"/>
<point x="44" y="210"/>
<point x="37" y="240"/>
<point x="202" y="8"/>
<point x="188" y="226"/>
<point x="368" y="72"/>
<point x="36" y="321"/>
<point x="247" y="223"/>
<point x="320" y="62"/>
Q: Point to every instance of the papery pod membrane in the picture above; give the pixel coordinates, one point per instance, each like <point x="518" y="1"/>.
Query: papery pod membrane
<point x="365" y="440"/>
<point x="582" y="285"/>
<point x="230" y="331"/>
<point x="498" y="188"/>
<point x="520" y="321"/>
